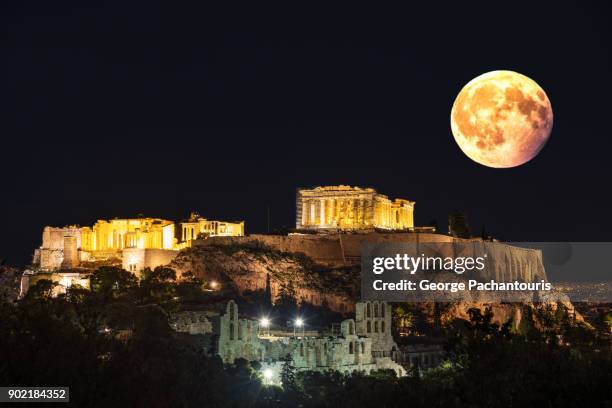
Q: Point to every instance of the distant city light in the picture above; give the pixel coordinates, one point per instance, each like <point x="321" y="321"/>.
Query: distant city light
<point x="265" y="322"/>
<point x="214" y="284"/>
<point x="299" y="322"/>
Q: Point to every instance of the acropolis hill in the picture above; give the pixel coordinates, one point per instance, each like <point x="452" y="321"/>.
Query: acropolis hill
<point x="332" y="225"/>
<point x="149" y="242"/>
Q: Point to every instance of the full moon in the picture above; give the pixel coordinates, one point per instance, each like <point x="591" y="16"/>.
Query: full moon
<point x="501" y="119"/>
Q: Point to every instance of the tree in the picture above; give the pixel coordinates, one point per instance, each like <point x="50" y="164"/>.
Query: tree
<point x="111" y="281"/>
<point x="162" y="274"/>
<point x="268" y="294"/>
<point x="484" y="234"/>
<point x="288" y="374"/>
<point x="286" y="303"/>
<point x="526" y="326"/>
<point x="434" y="223"/>
<point x="159" y="287"/>
<point x="145" y="273"/>
<point x="482" y="325"/>
<point x="458" y="225"/>
<point x="402" y="320"/>
<point x="190" y="277"/>
<point x="42" y="290"/>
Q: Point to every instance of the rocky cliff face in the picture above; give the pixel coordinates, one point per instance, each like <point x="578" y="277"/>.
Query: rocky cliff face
<point x="509" y="312"/>
<point x="504" y="262"/>
<point x="245" y="267"/>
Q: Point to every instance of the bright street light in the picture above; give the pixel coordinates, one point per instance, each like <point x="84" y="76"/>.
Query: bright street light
<point x="268" y="375"/>
<point x="298" y="323"/>
<point x="264" y="326"/>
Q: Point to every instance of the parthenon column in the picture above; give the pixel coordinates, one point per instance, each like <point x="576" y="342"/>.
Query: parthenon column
<point x="332" y="219"/>
<point x="304" y="213"/>
<point x="312" y="212"/>
<point x="362" y="208"/>
<point x="322" y="212"/>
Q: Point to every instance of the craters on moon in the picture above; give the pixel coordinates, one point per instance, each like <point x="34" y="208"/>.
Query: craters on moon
<point x="501" y="119"/>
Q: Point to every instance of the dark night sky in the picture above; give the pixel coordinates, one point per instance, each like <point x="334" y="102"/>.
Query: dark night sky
<point x="111" y="110"/>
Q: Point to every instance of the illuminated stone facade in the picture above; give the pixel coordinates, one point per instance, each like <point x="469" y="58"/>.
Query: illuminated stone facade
<point x="50" y="255"/>
<point x="373" y="319"/>
<point x="345" y="351"/>
<point x="67" y="247"/>
<point x="348" y="351"/>
<point x="117" y="234"/>
<point x="351" y="208"/>
<point x="136" y="259"/>
<point x="63" y="281"/>
<point x="197" y="226"/>
<point x="236" y="338"/>
<point x="138" y="242"/>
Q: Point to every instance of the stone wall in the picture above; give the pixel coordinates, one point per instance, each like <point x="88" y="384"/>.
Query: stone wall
<point x="237" y="338"/>
<point x="506" y="262"/>
<point x="51" y="252"/>
<point x="348" y="350"/>
<point x="71" y="254"/>
<point x="136" y="259"/>
<point x="192" y="322"/>
<point x="373" y="319"/>
<point x="330" y="249"/>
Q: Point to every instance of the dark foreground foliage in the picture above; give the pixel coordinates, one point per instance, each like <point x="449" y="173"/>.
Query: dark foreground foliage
<point x="114" y="348"/>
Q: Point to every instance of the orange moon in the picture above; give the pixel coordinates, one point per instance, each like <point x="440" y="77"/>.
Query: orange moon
<point x="501" y="119"/>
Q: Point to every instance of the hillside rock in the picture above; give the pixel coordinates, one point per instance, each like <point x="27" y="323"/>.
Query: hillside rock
<point x="245" y="267"/>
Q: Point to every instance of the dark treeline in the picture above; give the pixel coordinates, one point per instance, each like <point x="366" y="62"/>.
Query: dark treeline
<point x="114" y="348"/>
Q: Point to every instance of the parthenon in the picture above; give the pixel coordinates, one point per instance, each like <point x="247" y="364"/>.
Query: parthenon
<point x="351" y="208"/>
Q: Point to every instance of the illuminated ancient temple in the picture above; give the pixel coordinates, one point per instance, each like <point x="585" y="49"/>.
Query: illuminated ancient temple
<point x="136" y="242"/>
<point x="69" y="246"/>
<point x="197" y="226"/>
<point x="351" y="208"/>
<point x="117" y="234"/>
